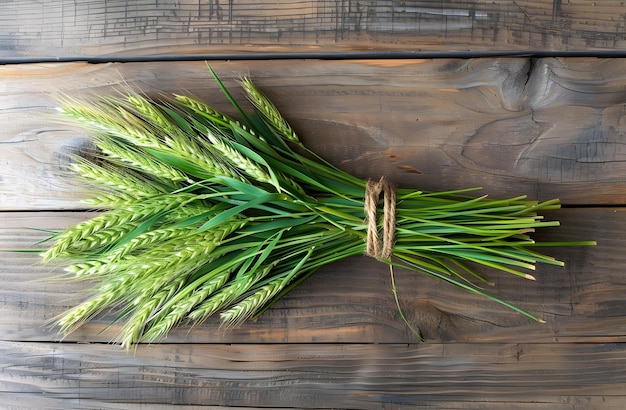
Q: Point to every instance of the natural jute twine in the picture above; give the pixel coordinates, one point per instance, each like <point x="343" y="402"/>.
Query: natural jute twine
<point x="372" y="194"/>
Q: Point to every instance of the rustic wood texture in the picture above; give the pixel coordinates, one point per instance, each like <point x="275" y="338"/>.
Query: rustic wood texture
<point x="359" y="376"/>
<point x="546" y="128"/>
<point x="60" y="28"/>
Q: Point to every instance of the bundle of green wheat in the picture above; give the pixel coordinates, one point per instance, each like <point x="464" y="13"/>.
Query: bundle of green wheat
<point x="205" y="214"/>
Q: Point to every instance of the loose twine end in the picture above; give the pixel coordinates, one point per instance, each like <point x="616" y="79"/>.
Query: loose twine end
<point x="375" y="247"/>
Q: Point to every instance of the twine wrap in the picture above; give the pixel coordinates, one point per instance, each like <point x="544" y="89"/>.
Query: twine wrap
<point x="375" y="248"/>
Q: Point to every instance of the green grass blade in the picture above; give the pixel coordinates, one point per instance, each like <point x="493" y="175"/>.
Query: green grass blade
<point x="226" y="215"/>
<point x="471" y="289"/>
<point x="229" y="96"/>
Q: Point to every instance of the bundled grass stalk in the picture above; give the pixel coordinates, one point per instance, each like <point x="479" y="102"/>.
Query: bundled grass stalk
<point x="208" y="215"/>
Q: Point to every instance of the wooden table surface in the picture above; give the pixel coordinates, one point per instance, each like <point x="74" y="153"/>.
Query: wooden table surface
<point x="548" y="124"/>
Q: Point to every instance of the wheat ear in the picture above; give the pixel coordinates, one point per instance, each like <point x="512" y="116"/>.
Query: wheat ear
<point x="123" y="216"/>
<point x="269" y="111"/>
<point x="90" y="268"/>
<point x="145" y="275"/>
<point x="115" y="120"/>
<point x="109" y="179"/>
<point x="158" y="283"/>
<point x="166" y="319"/>
<point x="229" y="293"/>
<point x="245" y="309"/>
<point x="76" y="316"/>
<point x="129" y="156"/>
<point x="214" y="117"/>
<point x="115" y="117"/>
<point x="183" y="143"/>
<point x="238" y="160"/>
<point x="145" y="307"/>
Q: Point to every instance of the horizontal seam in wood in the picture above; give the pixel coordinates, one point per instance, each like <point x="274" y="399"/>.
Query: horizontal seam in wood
<point x="355" y="55"/>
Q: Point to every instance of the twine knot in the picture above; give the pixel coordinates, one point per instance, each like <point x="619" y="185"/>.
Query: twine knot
<point x="375" y="248"/>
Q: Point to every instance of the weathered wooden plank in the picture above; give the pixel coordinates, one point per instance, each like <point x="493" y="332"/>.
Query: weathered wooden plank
<point x="61" y="28"/>
<point x="548" y="127"/>
<point x="457" y="376"/>
<point x="351" y="301"/>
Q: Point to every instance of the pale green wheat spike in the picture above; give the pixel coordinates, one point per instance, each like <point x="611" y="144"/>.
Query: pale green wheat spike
<point x="193" y="149"/>
<point x="109" y="260"/>
<point x="151" y="114"/>
<point x="133" y="157"/>
<point x="83" y="230"/>
<point x="217" y="118"/>
<point x="115" y="120"/>
<point x="145" y="306"/>
<point x="154" y="237"/>
<point x="202" y="156"/>
<point x="109" y="200"/>
<point x="155" y="283"/>
<point x="122" y="216"/>
<point x="79" y="314"/>
<point x="187" y="146"/>
<point x="144" y="274"/>
<point x="112" y="117"/>
<point x="245" y="309"/>
<point x="150" y="239"/>
<point x="110" y="179"/>
<point x="164" y="321"/>
<point x="93" y="267"/>
<point x="269" y="110"/>
<point x="99" y="239"/>
<point x="156" y="266"/>
<point x="238" y="160"/>
<point x="161" y="126"/>
<point x="140" y="132"/>
<point x="229" y="293"/>
<point x="189" y="210"/>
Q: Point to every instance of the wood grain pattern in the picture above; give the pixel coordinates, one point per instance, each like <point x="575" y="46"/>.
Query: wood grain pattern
<point x="543" y="127"/>
<point x="61" y="28"/>
<point x="476" y="376"/>
<point x="351" y="301"/>
<point x="546" y="128"/>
